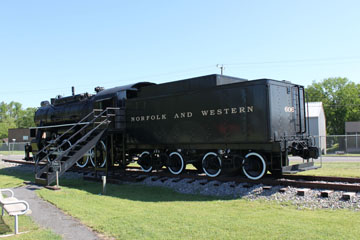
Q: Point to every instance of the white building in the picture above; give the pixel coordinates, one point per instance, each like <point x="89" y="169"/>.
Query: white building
<point x="317" y="124"/>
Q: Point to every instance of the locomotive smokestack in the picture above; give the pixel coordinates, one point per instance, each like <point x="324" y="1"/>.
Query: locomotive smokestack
<point x="73" y="90"/>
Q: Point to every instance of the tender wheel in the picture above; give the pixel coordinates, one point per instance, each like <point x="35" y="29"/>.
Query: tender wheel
<point x="176" y="164"/>
<point x="101" y="154"/>
<point x="145" y="161"/>
<point x="211" y="164"/>
<point x="254" y="166"/>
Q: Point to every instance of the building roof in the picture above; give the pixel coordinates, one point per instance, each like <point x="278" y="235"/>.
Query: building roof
<point x="315" y="109"/>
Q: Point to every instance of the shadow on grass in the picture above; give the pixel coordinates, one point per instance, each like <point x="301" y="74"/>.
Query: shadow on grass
<point x="133" y="192"/>
<point x="138" y="192"/>
<point x="4" y="229"/>
<point x="22" y="173"/>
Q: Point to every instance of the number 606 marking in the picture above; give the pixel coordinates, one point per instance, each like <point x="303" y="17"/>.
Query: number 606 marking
<point x="289" y="109"/>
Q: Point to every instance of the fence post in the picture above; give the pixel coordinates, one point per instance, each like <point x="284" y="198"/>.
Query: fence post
<point x="356" y="141"/>
<point x="345" y="143"/>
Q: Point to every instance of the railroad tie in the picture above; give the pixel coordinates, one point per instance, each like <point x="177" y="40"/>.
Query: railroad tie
<point x="190" y="180"/>
<point x="303" y="191"/>
<point x="326" y="193"/>
<point x="203" y="182"/>
<point x="141" y="178"/>
<point x="175" y="180"/>
<point x="348" y="195"/>
<point x="163" y="179"/>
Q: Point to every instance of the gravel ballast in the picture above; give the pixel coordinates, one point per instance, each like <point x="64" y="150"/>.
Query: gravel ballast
<point x="311" y="200"/>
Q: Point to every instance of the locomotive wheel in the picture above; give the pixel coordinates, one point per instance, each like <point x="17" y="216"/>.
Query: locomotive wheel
<point x="82" y="162"/>
<point x="211" y="164"/>
<point x="89" y="156"/>
<point x="101" y="155"/>
<point x="66" y="144"/>
<point x="176" y="164"/>
<point x="51" y="157"/>
<point x="254" y="166"/>
<point x="145" y="161"/>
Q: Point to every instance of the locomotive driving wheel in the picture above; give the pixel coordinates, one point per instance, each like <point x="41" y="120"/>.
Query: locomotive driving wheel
<point x="83" y="161"/>
<point x="100" y="153"/>
<point x="211" y="164"/>
<point x="176" y="164"/>
<point x="254" y="166"/>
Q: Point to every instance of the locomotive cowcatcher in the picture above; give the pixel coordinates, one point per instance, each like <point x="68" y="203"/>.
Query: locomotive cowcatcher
<point x="217" y="123"/>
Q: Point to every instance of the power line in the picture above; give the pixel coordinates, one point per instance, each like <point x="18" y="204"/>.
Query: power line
<point x="296" y="61"/>
<point x="320" y="61"/>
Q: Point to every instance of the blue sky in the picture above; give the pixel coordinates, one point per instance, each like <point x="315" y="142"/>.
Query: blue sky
<point x="48" y="46"/>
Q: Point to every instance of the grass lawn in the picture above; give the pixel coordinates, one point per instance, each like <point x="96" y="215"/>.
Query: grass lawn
<point x="25" y="224"/>
<point x="336" y="169"/>
<point x="142" y="212"/>
<point x="12" y="178"/>
<point x="6" y="153"/>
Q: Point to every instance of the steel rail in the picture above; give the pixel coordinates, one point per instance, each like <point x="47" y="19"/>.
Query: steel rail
<point x="300" y="181"/>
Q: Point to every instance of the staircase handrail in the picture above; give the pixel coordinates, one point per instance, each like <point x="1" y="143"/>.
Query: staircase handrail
<point x="72" y="146"/>
<point x="59" y="137"/>
<point x="72" y="136"/>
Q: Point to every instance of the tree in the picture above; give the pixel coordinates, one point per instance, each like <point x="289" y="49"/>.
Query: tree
<point x="13" y="116"/>
<point x="25" y="118"/>
<point x="341" y="100"/>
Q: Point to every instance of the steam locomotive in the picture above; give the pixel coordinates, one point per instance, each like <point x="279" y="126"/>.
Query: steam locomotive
<point x="216" y="123"/>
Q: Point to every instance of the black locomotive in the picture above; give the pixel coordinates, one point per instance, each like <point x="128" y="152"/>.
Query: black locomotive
<point x="216" y="123"/>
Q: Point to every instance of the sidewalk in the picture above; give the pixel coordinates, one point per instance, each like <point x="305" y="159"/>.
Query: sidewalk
<point x="48" y="216"/>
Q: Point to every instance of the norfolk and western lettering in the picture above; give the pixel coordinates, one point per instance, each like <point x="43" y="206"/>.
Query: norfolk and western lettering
<point x="203" y="113"/>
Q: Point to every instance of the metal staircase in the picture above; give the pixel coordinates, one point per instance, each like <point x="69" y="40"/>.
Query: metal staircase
<point x="85" y="134"/>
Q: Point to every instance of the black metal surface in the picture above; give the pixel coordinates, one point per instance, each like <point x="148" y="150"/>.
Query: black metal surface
<point x="242" y="112"/>
<point x="213" y="113"/>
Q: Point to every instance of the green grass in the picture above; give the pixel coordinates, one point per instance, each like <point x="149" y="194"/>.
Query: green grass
<point x="6" y="153"/>
<point x="12" y="177"/>
<point x="9" y="178"/>
<point x="142" y="212"/>
<point x="25" y="225"/>
<point x="342" y="155"/>
<point x="336" y="169"/>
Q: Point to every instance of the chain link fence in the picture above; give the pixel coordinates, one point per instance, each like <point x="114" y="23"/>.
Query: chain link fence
<point x="13" y="147"/>
<point x="342" y="144"/>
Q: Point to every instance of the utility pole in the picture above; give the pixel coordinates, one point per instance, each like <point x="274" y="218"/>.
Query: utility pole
<point x="221" y="66"/>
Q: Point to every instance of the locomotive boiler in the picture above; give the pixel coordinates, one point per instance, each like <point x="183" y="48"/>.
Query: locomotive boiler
<point x="216" y="123"/>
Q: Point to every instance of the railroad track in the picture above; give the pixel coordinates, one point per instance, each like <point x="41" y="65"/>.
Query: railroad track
<point x="134" y="174"/>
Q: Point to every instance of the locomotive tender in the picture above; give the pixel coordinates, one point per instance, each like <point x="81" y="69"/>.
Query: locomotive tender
<point x="217" y="123"/>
